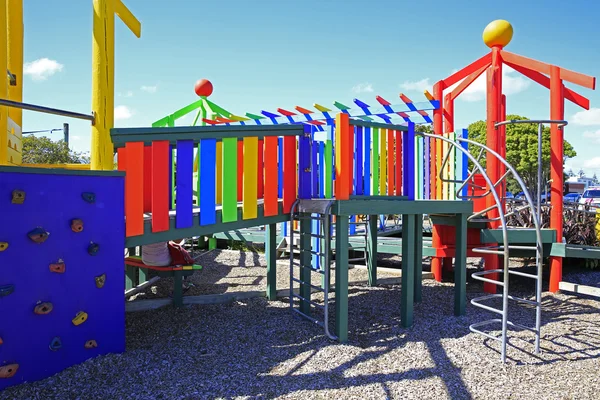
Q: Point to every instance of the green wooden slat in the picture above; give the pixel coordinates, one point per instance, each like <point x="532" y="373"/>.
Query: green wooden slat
<point x="372" y="250"/>
<point x="408" y="271"/>
<point x="271" y="255"/>
<point x="418" y="233"/>
<point x="460" y="268"/>
<point x="229" y="180"/>
<point x="305" y="264"/>
<point x="328" y="169"/>
<point x="341" y="278"/>
<point x="375" y="162"/>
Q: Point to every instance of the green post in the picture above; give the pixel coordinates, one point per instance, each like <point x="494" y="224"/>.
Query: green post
<point x="372" y="250"/>
<point x="418" y="258"/>
<point x="130" y="271"/>
<point x="212" y="243"/>
<point x="271" y="255"/>
<point x="460" y="265"/>
<point x="305" y="262"/>
<point x="408" y="270"/>
<point x="177" y="288"/>
<point x="202" y="243"/>
<point x="341" y="278"/>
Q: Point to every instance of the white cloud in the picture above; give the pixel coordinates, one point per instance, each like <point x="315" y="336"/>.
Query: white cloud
<point x="363" y="88"/>
<point x="512" y="83"/>
<point x="149" y="89"/>
<point x="587" y="117"/>
<point x="41" y="69"/>
<point x="122" y="112"/>
<point x="417" y="86"/>
<point x="128" y="93"/>
<point x="75" y="138"/>
<point x="595" y="136"/>
<point x="593" y="163"/>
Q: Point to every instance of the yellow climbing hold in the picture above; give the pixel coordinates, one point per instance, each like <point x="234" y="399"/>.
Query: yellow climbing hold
<point x="498" y="33"/>
<point x="80" y="318"/>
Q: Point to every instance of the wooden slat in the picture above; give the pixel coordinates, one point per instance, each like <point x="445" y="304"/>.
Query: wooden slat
<point x="134" y="189"/>
<point x="398" y="139"/>
<point x="329" y="169"/>
<point x="219" y="178"/>
<point x="184" y="189"/>
<point x="390" y="163"/>
<point x="230" y="174"/>
<point x="240" y="170"/>
<point x="289" y="172"/>
<point x="375" y="162"/>
<point x="579" y="289"/>
<point x="342" y="182"/>
<point x="121" y="159"/>
<point x="260" y="169"/>
<point x="367" y="164"/>
<point x="207" y="177"/>
<point x="382" y="161"/>
<point x="160" y="185"/>
<point x="250" y="178"/>
<point x="359" y="179"/>
<point x="271" y="172"/>
<point x="147" y="178"/>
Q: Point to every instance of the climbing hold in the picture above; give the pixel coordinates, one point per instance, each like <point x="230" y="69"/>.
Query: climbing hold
<point x="91" y="344"/>
<point x="93" y="249"/>
<point x="89" y="197"/>
<point x="8" y="371"/>
<point x="6" y="290"/>
<point x="77" y="225"/>
<point x="58" y="267"/>
<point x="43" y="308"/>
<point x="38" y="235"/>
<point x="1" y="341"/>
<point x="100" y="280"/>
<point x="55" y="344"/>
<point x="80" y="318"/>
<point x="18" y="196"/>
<point x="3" y="246"/>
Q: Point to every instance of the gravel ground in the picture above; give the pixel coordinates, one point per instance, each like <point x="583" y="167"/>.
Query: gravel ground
<point x="258" y="349"/>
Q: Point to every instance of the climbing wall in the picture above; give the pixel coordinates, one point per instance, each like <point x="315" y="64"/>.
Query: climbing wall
<point x="61" y="270"/>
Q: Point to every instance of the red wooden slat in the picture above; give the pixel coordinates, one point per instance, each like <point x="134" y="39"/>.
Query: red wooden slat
<point x="343" y="157"/>
<point x="121" y="158"/>
<point x="289" y="173"/>
<point x="134" y="189"/>
<point x="390" y="162"/>
<point x="261" y="182"/>
<point x="240" y="170"/>
<point x="398" y="136"/>
<point x="147" y="179"/>
<point x="161" y="171"/>
<point x="271" y="176"/>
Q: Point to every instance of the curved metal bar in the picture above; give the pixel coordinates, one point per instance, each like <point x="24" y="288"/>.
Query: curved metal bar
<point x="560" y="123"/>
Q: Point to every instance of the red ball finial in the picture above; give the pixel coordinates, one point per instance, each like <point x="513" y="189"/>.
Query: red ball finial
<point x="203" y="88"/>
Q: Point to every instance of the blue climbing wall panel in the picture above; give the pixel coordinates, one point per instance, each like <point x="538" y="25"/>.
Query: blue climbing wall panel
<point x="89" y="284"/>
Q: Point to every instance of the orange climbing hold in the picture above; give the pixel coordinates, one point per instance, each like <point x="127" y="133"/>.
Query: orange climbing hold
<point x="91" y="344"/>
<point x="1" y="341"/>
<point x="38" y="235"/>
<point x="58" y="267"/>
<point x="8" y="371"/>
<point x="18" y="196"/>
<point x="43" y="308"/>
<point x="80" y="318"/>
<point x="77" y="225"/>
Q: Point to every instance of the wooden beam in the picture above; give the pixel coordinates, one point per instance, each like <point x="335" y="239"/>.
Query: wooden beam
<point x="483" y="62"/>
<point x="579" y="289"/>
<point x="466" y="83"/>
<point x="545" y="81"/>
<point x="565" y="74"/>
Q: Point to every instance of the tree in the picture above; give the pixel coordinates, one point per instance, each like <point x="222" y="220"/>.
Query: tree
<point x="522" y="150"/>
<point x="571" y="173"/>
<point x="581" y="173"/>
<point x="42" y="150"/>
<point x="595" y="178"/>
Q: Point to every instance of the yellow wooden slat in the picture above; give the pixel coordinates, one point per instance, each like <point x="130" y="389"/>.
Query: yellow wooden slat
<point x="383" y="162"/>
<point x="250" y="179"/>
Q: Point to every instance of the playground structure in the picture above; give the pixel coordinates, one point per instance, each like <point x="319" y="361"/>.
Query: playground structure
<point x="330" y="167"/>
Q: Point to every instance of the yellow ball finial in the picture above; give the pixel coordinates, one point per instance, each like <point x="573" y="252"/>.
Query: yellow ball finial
<point x="498" y="33"/>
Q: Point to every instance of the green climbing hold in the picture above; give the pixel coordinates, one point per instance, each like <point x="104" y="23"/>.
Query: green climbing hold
<point x="89" y="197"/>
<point x="93" y="249"/>
<point x="6" y="290"/>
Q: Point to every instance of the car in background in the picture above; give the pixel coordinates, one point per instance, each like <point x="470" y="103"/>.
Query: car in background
<point x="571" y="197"/>
<point x="590" y="197"/>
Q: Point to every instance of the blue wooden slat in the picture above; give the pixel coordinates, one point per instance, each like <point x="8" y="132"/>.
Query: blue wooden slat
<point x="280" y="168"/>
<point x="465" y="161"/>
<point x="408" y="144"/>
<point x="367" y="151"/>
<point x="322" y="178"/>
<point x="208" y="180"/>
<point x="184" y="179"/>
<point x="304" y="161"/>
<point x="314" y="169"/>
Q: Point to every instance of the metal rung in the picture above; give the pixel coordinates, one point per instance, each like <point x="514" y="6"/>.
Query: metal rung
<point x="515" y="325"/>
<point x="499" y="296"/>
<point x="312" y="269"/>
<point x="492" y="309"/>
<point x="356" y="259"/>
<point x="487" y="251"/>
<point x="316" y="253"/>
<point x="310" y="234"/>
<point x="310" y="218"/>
<point x="473" y="329"/>
<point x="309" y="284"/>
<point x="526" y="275"/>
<point x="310" y="301"/>
<point x="513" y="247"/>
<point x="308" y="317"/>
<point x="357" y="223"/>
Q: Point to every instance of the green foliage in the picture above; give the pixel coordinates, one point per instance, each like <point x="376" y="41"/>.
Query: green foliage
<point x="425" y="128"/>
<point x="521" y="149"/>
<point x="42" y="150"/>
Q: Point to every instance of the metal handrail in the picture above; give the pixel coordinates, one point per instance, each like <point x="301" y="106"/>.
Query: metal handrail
<point x="47" y="110"/>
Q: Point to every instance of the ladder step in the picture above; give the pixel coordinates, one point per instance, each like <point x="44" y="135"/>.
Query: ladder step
<point x="526" y="275"/>
<point x="473" y="328"/>
<point x="515" y="325"/>
<point x="356" y="259"/>
<point x="480" y="276"/>
<point x="308" y="317"/>
<point x="317" y="288"/>
<point x="488" y="251"/>
<point x="310" y="301"/>
<point x="492" y="309"/>
<point x="310" y="234"/>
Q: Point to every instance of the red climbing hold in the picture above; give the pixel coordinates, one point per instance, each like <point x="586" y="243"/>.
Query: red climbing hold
<point x="91" y="344"/>
<point x="38" y="235"/>
<point x="8" y="371"/>
<point x="77" y="225"/>
<point x="43" y="308"/>
<point x="58" y="267"/>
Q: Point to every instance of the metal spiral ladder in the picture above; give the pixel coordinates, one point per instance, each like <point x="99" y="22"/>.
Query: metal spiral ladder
<point x="505" y="247"/>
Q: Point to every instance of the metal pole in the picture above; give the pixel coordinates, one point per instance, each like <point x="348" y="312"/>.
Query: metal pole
<point x="47" y="110"/>
<point x="66" y="133"/>
<point x="539" y="174"/>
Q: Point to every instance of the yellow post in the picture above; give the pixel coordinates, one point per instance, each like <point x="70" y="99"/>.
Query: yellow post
<point x="3" y="84"/>
<point x="14" y="40"/>
<point x="103" y="87"/>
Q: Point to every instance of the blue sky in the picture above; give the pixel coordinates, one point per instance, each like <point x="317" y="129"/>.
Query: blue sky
<point x="265" y="54"/>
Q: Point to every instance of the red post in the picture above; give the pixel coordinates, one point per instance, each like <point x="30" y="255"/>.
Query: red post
<point x="448" y="115"/>
<point x="438" y="93"/>
<point x="502" y="143"/>
<point x="557" y="112"/>
<point x="494" y="94"/>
